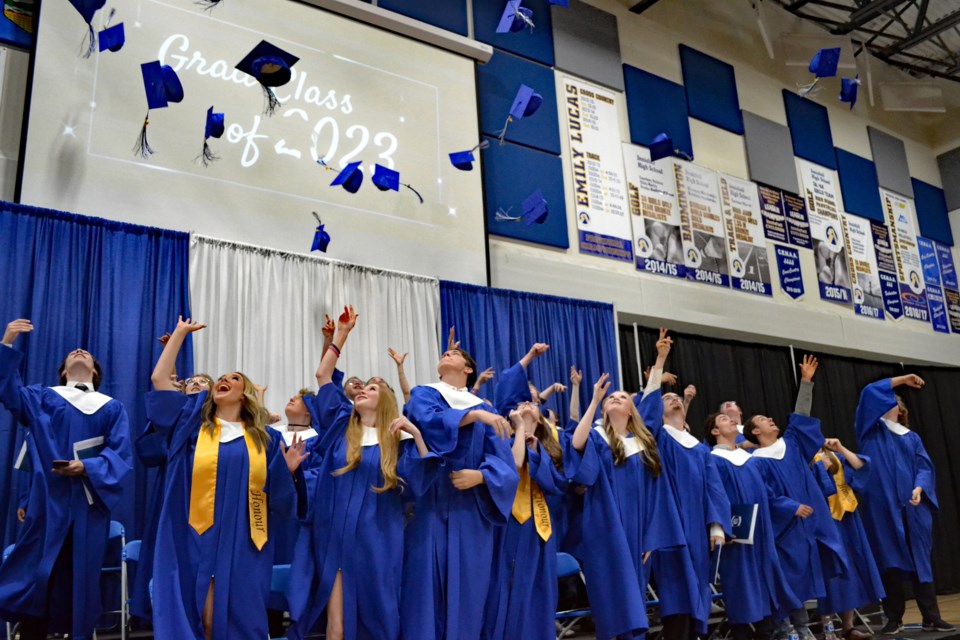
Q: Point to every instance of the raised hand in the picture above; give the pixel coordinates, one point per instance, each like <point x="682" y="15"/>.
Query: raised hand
<point x="187" y="326"/>
<point x="576" y="376"/>
<point x="664" y="344"/>
<point x="296" y="453"/>
<point x="348" y="319"/>
<point x="601" y="387"/>
<point x="913" y="380"/>
<point x="15" y="328"/>
<point x="398" y="358"/>
<point x="403" y="424"/>
<point x="808" y="367"/>
<point x="485" y="376"/>
<point x="328" y="328"/>
<point x="689" y="393"/>
<point x="495" y="420"/>
<point x="669" y="379"/>
<point x="164" y="339"/>
<point x="833" y="444"/>
<point x="452" y="342"/>
<point x="537" y="350"/>
<point x="557" y="387"/>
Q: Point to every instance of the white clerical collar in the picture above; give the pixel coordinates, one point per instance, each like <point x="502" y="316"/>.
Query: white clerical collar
<point x="631" y="446"/>
<point x="230" y="431"/>
<point x="776" y="451"/>
<point x="287" y="433"/>
<point x="86" y="402"/>
<point x="457" y="398"/>
<point x="370" y="438"/>
<point x="686" y="440"/>
<point x="735" y="456"/>
<point x="88" y="386"/>
<point x="895" y="427"/>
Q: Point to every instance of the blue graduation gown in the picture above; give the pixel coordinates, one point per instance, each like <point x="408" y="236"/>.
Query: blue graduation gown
<point x="900" y="534"/>
<point x="626" y="512"/>
<point x="185" y="561"/>
<point x="683" y="575"/>
<point x="860" y="585"/>
<point x="351" y="529"/>
<point x="753" y="581"/>
<point x="810" y="548"/>
<point x="449" y="544"/>
<point x="523" y="590"/>
<point x="57" y="506"/>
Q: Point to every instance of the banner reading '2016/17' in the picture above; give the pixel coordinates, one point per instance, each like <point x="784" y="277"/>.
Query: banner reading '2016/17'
<point x="902" y="223"/>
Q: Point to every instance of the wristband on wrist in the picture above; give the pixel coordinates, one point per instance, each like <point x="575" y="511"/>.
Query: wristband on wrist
<point x="335" y="350"/>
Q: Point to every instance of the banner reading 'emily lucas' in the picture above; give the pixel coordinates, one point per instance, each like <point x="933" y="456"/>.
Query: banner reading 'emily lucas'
<point x="829" y="246"/>
<point x="593" y="130"/>
<point x="749" y="264"/>
<point x="902" y="223"/>
<point x="654" y="211"/>
<point x="701" y="224"/>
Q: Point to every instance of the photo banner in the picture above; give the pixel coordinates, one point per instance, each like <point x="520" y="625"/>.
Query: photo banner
<point x="701" y="224"/>
<point x="867" y="294"/>
<point x="887" y="270"/>
<point x="902" y="222"/>
<point x="788" y="268"/>
<point x="826" y="231"/>
<point x="593" y="130"/>
<point x="784" y="217"/>
<point x="749" y="264"/>
<point x="657" y="244"/>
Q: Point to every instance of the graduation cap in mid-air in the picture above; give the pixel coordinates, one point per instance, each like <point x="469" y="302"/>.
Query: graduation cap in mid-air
<point x="162" y="86"/>
<point x="271" y="66"/>
<point x="823" y="65"/>
<point x="321" y="239"/>
<point x="464" y="160"/>
<point x="534" y="210"/>
<point x="387" y="179"/>
<point x="561" y="3"/>
<point x="515" y="17"/>
<point x="350" y="177"/>
<point x="87" y="9"/>
<point x="525" y="104"/>
<point x="213" y="128"/>
<point x="661" y="147"/>
<point x="112" y="38"/>
<point x="848" y="89"/>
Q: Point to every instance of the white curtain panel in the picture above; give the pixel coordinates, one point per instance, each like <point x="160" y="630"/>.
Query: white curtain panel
<point x="264" y="310"/>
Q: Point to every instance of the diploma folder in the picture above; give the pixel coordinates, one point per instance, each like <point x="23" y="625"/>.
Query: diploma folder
<point x="84" y="449"/>
<point x="743" y="520"/>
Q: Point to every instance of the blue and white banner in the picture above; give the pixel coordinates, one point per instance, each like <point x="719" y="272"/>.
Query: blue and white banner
<point x="867" y="294"/>
<point x="902" y="222"/>
<point x="701" y="224"/>
<point x="948" y="272"/>
<point x="788" y="268"/>
<point x="826" y="231"/>
<point x="749" y="264"/>
<point x="938" y="308"/>
<point x="887" y="270"/>
<point x="784" y="217"/>
<point x="651" y="190"/>
<point x="931" y="276"/>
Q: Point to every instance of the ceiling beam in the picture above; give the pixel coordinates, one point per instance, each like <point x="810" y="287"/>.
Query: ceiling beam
<point x="932" y="30"/>
<point x="921" y="14"/>
<point x="865" y="14"/>
<point x="643" y="5"/>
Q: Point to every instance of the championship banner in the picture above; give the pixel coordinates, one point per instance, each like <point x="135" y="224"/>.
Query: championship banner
<point x="788" y="268"/>
<point x="951" y="290"/>
<point x="887" y="270"/>
<point x="952" y="301"/>
<point x="701" y="224"/>
<point x="902" y="223"/>
<point x="593" y="130"/>
<point x="749" y="265"/>
<point x="867" y="295"/>
<point x="784" y="217"/>
<point x="653" y="209"/>
<point x="931" y="276"/>
<point x="829" y="247"/>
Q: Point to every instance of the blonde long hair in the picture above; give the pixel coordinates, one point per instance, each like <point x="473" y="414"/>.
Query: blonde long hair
<point x="387" y="412"/>
<point x="252" y="413"/>
<point x="635" y="425"/>
<point x="548" y="439"/>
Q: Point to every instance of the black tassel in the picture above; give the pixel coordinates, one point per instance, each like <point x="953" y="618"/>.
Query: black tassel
<point x="89" y="44"/>
<point x="142" y="147"/>
<point x="207" y="5"/>
<point x="207" y="156"/>
<point x="415" y="191"/>
<point x="272" y="102"/>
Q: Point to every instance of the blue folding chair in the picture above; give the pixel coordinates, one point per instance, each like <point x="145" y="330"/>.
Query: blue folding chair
<point x="130" y="553"/>
<point x="568" y="566"/>
<point x="116" y="532"/>
<point x="279" y="580"/>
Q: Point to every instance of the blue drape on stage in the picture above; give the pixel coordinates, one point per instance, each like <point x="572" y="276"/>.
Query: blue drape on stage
<point x="108" y="287"/>
<point x="497" y="326"/>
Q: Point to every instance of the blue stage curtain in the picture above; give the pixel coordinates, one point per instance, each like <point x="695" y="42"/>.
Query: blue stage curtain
<point x="498" y="326"/>
<point x="104" y="286"/>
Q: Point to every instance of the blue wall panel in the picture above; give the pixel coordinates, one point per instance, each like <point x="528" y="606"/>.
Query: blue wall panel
<point x="711" y="87"/>
<point x="656" y="105"/>
<point x="537" y="45"/>
<point x="859" y="186"/>
<point x="809" y="130"/>
<point x="446" y="14"/>
<point x="932" y="212"/>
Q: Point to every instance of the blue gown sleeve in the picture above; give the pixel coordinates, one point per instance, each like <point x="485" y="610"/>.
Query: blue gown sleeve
<point x="151" y="447"/>
<point x="804" y="433"/>
<point x="23" y="402"/>
<point x="875" y="400"/>
<point x="825" y="481"/>
<point x="718" y="502"/>
<point x="650" y="407"/>
<point x="513" y="387"/>
<point x="858" y="479"/>
<point x="419" y="473"/>
<point x="500" y="479"/>
<point x="438" y="422"/>
<point x="542" y="471"/>
<point x="329" y="414"/>
<point x="582" y="467"/>
<point x="925" y="476"/>
<point x="177" y="432"/>
<point x="106" y="473"/>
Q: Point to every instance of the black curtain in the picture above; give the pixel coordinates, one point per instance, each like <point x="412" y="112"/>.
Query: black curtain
<point x="761" y="379"/>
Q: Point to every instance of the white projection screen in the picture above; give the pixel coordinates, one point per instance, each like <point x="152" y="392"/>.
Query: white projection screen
<point x="357" y="93"/>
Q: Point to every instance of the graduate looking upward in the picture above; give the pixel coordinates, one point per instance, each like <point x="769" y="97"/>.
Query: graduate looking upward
<point x="51" y="580"/>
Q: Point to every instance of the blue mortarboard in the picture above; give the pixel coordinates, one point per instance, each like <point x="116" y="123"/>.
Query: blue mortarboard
<point x="112" y="38"/>
<point x="514" y="17"/>
<point x="661" y="147"/>
<point x="848" y="89"/>
<point x="525" y="103"/>
<point x="824" y="62"/>
<point x="87" y="9"/>
<point x="320" y="240"/>
<point x="351" y="177"/>
<point x="561" y="3"/>
<point x="462" y="160"/>
<point x="385" y="178"/>
<point x="271" y="66"/>
<point x="213" y="128"/>
<point x="535" y="208"/>
<point x="161" y="84"/>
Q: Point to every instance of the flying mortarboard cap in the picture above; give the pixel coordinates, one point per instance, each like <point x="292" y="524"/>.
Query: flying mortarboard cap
<point x="561" y="3"/>
<point x="464" y="160"/>
<point x="87" y="9"/>
<point x="386" y="178"/>
<point x="535" y="208"/>
<point x="112" y="38"/>
<point x="213" y="128"/>
<point x="320" y="238"/>
<point x="661" y="147"/>
<point x="162" y="86"/>
<point x="526" y="102"/>
<point x="848" y="89"/>
<point x="271" y="66"/>
<point x="824" y="62"/>
<point x="514" y="17"/>
<point x="351" y="177"/>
